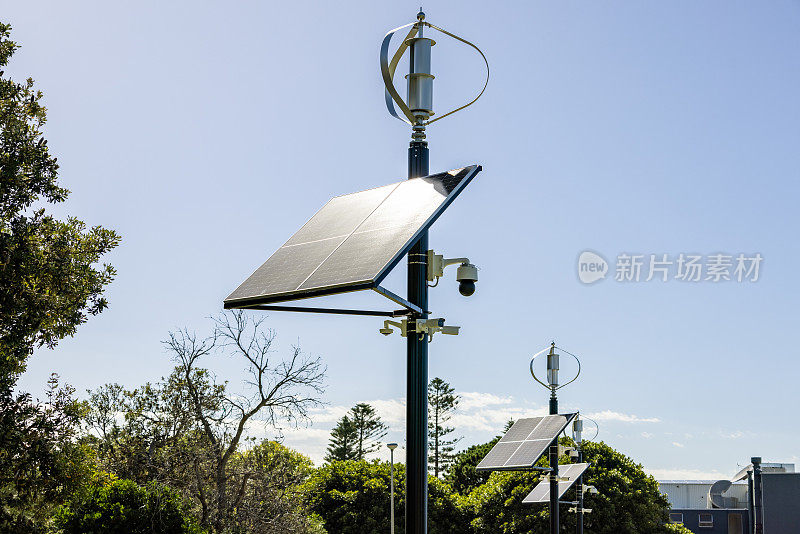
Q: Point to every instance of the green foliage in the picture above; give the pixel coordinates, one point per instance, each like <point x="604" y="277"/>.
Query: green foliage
<point x="352" y="497"/>
<point x="188" y="431"/>
<point x="40" y="462"/>
<point x="369" y="427"/>
<point x="676" y="529"/>
<point x="356" y="434"/>
<point x="462" y="475"/>
<point x="442" y="402"/>
<point x="628" y="501"/>
<point x="272" y="499"/>
<point x="123" y="507"/>
<point x="49" y="281"/>
<point x="496" y="506"/>
<point x="342" y="444"/>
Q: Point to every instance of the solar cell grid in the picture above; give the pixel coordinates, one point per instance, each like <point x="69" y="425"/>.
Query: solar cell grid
<point x="353" y="241"/>
<point x="521" y="429"/>
<point x="515" y="452"/>
<point x="541" y="493"/>
<point x="550" y="426"/>
<point x="528" y="453"/>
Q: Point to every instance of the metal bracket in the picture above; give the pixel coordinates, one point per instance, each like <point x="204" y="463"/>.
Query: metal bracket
<point x="420" y="327"/>
<point x="335" y="311"/>
<point x="401" y="301"/>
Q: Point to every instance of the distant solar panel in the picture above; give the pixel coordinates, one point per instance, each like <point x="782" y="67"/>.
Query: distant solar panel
<point x="568" y="475"/>
<point x="524" y="443"/>
<point x="353" y="242"/>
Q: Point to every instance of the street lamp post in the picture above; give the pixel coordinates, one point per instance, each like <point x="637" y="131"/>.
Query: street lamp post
<point x="392" y="447"/>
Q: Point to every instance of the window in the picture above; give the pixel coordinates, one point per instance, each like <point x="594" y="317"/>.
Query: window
<point x="676" y="518"/>
<point x="706" y="520"/>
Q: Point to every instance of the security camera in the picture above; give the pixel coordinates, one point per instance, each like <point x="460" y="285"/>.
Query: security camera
<point x="466" y="276"/>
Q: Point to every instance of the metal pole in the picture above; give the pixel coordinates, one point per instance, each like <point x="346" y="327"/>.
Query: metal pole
<point x="758" y="510"/>
<point x="554" y="518"/>
<point x="579" y="488"/>
<point x="391" y="499"/>
<point x="750" y="514"/>
<point x="417" y="361"/>
<point x="552" y="380"/>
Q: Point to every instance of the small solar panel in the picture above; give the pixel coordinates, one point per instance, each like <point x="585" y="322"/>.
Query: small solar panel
<point x="524" y="443"/>
<point x="567" y="474"/>
<point x="353" y="241"/>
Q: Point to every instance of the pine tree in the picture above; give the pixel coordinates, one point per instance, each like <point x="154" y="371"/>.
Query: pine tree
<point x="356" y="434"/>
<point x="369" y="427"/>
<point x="344" y="437"/>
<point x="442" y="402"/>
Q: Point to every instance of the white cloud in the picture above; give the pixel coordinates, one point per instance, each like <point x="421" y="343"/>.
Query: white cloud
<point x="475" y="399"/>
<point x="736" y="434"/>
<point x="676" y="444"/>
<point x="608" y="415"/>
<point x="479" y="417"/>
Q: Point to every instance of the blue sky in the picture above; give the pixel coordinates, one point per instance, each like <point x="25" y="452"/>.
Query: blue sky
<point x="206" y="134"/>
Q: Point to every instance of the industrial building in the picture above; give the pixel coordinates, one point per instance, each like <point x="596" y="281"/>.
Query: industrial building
<point x="762" y="498"/>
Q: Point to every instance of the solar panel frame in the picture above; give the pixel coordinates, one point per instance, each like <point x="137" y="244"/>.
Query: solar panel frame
<point x="511" y="453"/>
<point x="448" y="184"/>
<point x="541" y="492"/>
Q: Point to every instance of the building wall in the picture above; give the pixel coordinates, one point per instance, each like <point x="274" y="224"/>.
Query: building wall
<point x="781" y="500"/>
<point x="724" y="521"/>
<point x="692" y="494"/>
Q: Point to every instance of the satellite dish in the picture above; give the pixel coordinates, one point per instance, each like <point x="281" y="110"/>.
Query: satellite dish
<point x="715" y="493"/>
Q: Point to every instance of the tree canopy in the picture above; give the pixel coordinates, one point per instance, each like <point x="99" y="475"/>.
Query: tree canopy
<point x="356" y="434"/>
<point x="125" y="507"/>
<point x="49" y="278"/>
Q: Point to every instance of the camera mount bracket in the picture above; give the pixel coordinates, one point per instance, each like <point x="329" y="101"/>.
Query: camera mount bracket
<point x="420" y="327"/>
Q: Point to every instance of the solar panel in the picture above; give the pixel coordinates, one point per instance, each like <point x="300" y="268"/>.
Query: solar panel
<point x="524" y="443"/>
<point x="353" y="242"/>
<point x="567" y="474"/>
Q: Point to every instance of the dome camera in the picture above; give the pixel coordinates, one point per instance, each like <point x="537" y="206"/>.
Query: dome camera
<point x="466" y="276"/>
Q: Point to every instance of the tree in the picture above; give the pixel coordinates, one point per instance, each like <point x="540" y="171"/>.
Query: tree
<point x="369" y="429"/>
<point x="462" y="474"/>
<point x="442" y="402"/>
<point x="355" y="434"/>
<point x="283" y="392"/>
<point x="342" y="445"/>
<point x="628" y="501"/>
<point x="49" y="280"/>
<point x="40" y="462"/>
<point x="352" y="497"/>
<point x="189" y="431"/>
<point x="125" y="507"/>
<point x="273" y="500"/>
